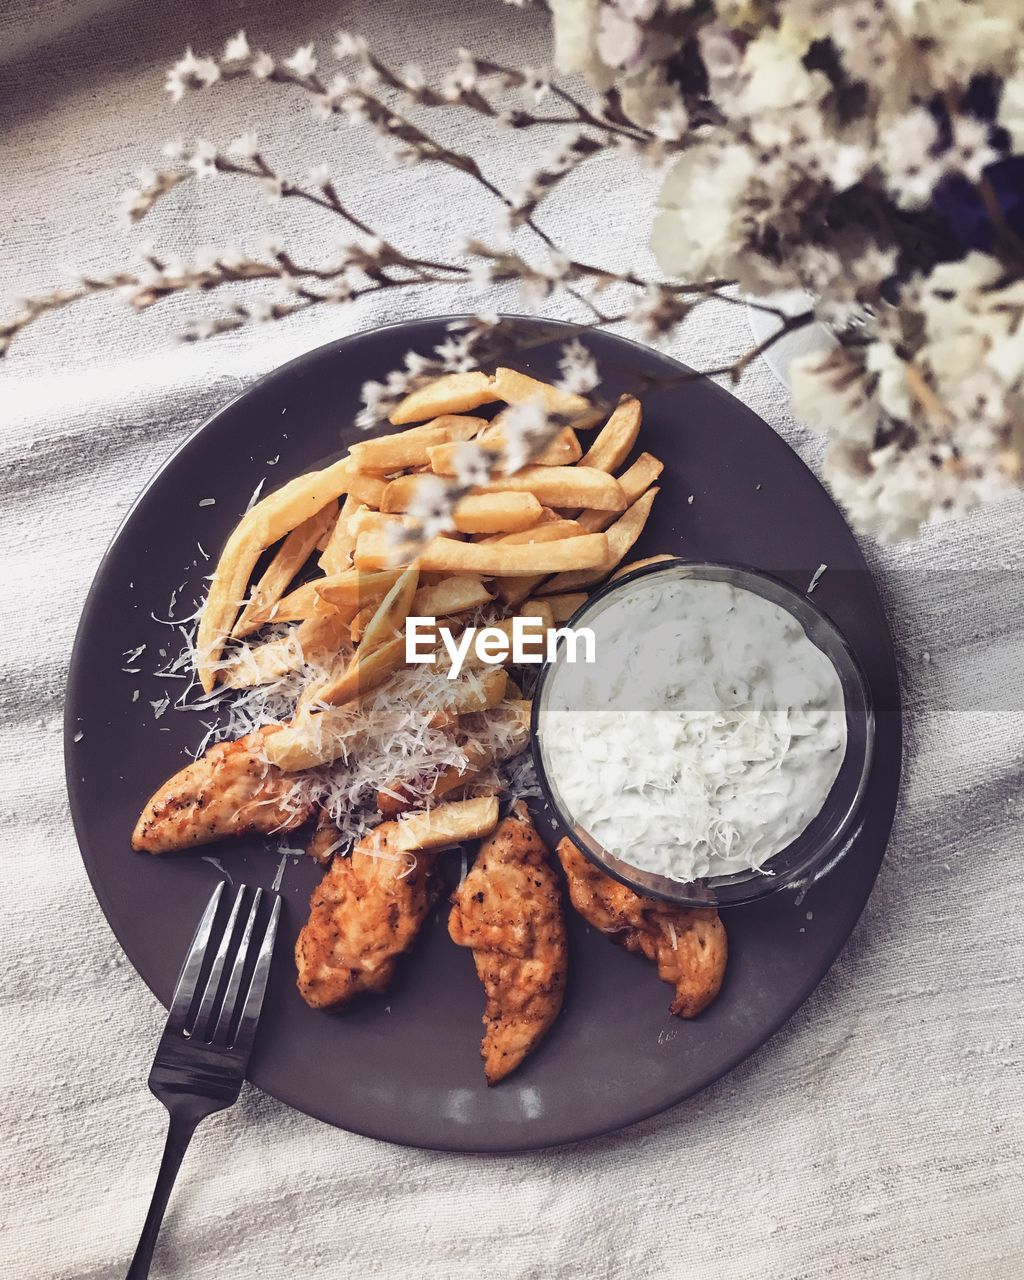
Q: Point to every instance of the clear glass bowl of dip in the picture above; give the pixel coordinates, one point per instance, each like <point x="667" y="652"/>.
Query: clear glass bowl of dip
<point x="828" y="836"/>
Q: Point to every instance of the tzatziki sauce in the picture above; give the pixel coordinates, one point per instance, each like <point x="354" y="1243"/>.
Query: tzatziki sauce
<point x="706" y="736"/>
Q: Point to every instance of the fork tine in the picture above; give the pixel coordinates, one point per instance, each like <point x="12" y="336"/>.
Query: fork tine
<point x="246" y="1033"/>
<point x="213" y="981"/>
<point x="188" y="978"/>
<point x="227" y="1009"/>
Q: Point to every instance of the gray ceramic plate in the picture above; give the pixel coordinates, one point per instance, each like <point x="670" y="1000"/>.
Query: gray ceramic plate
<point x="405" y="1067"/>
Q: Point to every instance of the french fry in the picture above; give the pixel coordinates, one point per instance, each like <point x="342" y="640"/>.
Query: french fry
<point x="328" y="529"/>
<point x="473" y="691"/>
<point x="263" y="525"/>
<point x="517" y="388"/>
<point x="449" y="823"/>
<point x="496" y="512"/>
<point x="634" y="481"/>
<point x="292" y="554"/>
<point x="410" y="448"/>
<point x="564" y="487"/>
<point x="354" y="588"/>
<point x="388" y="621"/>
<point x="549" y="531"/>
<point x="453" y="595"/>
<point x="623" y="569"/>
<point x="562" y="607"/>
<point x="337" y="554"/>
<point x="503" y="512"/>
<point x="539" y="615"/>
<point x="313" y="738"/>
<point x="358" y="624"/>
<point x="367" y="488"/>
<point x="491" y="559"/>
<point x="349" y="590"/>
<point x="263" y="663"/>
<point x="615" y="439"/>
<point x="562" y="451"/>
<point x="316" y="639"/>
<point x="452" y="393"/>
<point x="512" y="591"/>
<point x="396" y="797"/>
<point x="367" y="519"/>
<point x="364" y="673"/>
<point x="621" y="537"/>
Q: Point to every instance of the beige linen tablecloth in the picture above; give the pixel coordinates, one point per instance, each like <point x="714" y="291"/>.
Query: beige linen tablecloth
<point x="880" y="1134"/>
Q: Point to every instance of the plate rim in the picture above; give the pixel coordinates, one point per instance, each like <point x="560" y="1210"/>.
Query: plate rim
<point x="561" y="330"/>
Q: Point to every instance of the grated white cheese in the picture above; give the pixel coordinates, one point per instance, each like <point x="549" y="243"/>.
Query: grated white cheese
<point x="388" y="740"/>
<point x="256" y="494"/>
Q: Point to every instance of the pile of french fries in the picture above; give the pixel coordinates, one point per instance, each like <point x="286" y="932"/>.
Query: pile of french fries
<point x="531" y="544"/>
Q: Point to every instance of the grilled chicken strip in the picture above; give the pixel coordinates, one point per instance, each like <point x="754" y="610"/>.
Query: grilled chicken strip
<point x="363" y="915"/>
<point x="509" y="911"/>
<point x="688" y="944"/>
<point x="230" y="791"/>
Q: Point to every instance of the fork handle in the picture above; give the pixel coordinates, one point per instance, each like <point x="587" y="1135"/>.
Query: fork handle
<point x="179" y="1135"/>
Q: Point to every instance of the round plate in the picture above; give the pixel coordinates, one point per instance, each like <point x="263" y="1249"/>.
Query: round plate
<point x="405" y="1066"/>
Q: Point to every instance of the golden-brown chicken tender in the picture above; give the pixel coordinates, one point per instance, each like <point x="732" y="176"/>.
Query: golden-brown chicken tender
<point x="509" y="910"/>
<point x="232" y="790"/>
<point x="688" y="944"/>
<point x="364" y="914"/>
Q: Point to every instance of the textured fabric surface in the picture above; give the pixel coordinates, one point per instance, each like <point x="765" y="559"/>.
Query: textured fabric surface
<point x="880" y="1134"/>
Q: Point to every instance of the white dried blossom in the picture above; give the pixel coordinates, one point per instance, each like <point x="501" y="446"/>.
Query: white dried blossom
<point x="377" y="404"/>
<point x="832" y="389"/>
<point x="671" y="123"/>
<point x="535" y="86"/>
<point x="970" y="151"/>
<point x="578" y="368"/>
<point x="202" y="158"/>
<point x="303" y="62"/>
<point x="416" y="364"/>
<point x="658" y="311"/>
<point x="348" y="45"/>
<point x="412" y="77"/>
<point x="190" y="72"/>
<point x="772" y="77"/>
<point x="236" y="48"/>
<point x="697" y="232"/>
<point x="137" y="202"/>
<point x="909" y="157"/>
<point x="526" y="429"/>
<point x="430" y="507"/>
<point x="722" y="54"/>
<point x="471" y="464"/>
<point x="245" y="147"/>
<point x="620" y="39"/>
<point x="481" y="274"/>
<point x="263" y="66"/>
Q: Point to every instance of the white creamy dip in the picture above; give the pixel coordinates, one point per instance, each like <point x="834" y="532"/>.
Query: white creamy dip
<point x="706" y="736"/>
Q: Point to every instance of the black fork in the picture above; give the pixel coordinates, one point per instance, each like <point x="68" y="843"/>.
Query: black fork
<point x="203" y="1053"/>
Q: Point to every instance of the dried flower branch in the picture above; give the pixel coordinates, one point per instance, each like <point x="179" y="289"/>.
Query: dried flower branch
<point x="871" y="154"/>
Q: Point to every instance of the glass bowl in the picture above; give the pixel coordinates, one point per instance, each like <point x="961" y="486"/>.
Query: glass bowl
<point x="830" y="833"/>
